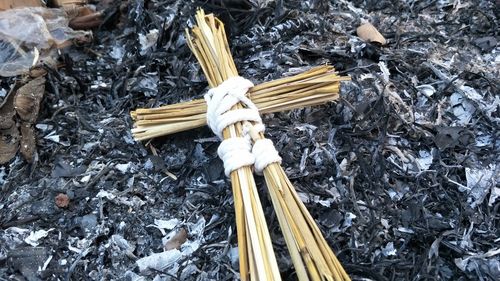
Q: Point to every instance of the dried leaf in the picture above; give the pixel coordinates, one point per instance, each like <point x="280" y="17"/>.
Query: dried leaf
<point x="28" y="98"/>
<point x="12" y="4"/>
<point x="177" y="240"/>
<point x="87" y="21"/>
<point x="369" y="33"/>
<point x="9" y="144"/>
<point x="28" y="143"/>
<point x="9" y="134"/>
<point x="7" y="112"/>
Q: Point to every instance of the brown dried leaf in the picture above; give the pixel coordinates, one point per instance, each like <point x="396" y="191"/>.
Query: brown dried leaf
<point x="9" y="134"/>
<point x="6" y="121"/>
<point x="86" y="22"/>
<point x="369" y="33"/>
<point x="28" y="98"/>
<point x="9" y="144"/>
<point x="28" y="143"/>
<point x="7" y="111"/>
<point x="177" y="240"/>
<point x="37" y="72"/>
<point x="11" y="4"/>
<point x="26" y="103"/>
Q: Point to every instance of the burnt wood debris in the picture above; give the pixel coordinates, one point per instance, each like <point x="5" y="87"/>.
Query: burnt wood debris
<point x="387" y="125"/>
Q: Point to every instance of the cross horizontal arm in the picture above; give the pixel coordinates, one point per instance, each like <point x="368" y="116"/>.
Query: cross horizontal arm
<point x="312" y="87"/>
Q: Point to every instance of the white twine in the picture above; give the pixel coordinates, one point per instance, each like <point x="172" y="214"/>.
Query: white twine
<point x="222" y="98"/>
<point x="237" y="152"/>
<point x="265" y="154"/>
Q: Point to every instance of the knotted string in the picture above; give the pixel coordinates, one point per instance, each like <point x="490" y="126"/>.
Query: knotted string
<point x="237" y="152"/>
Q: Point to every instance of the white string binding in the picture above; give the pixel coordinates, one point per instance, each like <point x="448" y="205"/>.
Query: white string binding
<point x="265" y="154"/>
<point x="235" y="153"/>
<point x="222" y="98"/>
<point x="238" y="152"/>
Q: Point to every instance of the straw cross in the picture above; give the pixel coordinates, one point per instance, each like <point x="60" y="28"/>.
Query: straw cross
<point x="310" y="253"/>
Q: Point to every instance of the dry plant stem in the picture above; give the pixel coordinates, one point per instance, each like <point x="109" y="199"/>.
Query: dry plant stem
<point x="261" y="261"/>
<point x="260" y="93"/>
<point x="257" y="260"/>
<point x="311" y="255"/>
<point x="316" y="86"/>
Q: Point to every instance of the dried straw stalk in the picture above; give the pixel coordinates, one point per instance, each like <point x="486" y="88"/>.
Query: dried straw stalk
<point x="257" y="260"/>
<point x="312" y="257"/>
<point x="315" y="86"/>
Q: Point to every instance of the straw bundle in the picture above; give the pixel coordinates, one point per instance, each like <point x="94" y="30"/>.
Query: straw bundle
<point x="257" y="260"/>
<point x="315" y="86"/>
<point x="312" y="257"/>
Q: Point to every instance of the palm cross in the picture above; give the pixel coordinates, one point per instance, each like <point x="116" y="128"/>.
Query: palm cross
<point x="310" y="253"/>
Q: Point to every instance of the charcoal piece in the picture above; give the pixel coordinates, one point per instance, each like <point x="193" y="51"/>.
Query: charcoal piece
<point x="44" y="208"/>
<point x="437" y="223"/>
<point x="449" y="137"/>
<point x="64" y="169"/>
<point x="486" y="44"/>
<point x="157" y="163"/>
<point x="28" y="260"/>
<point x="199" y="155"/>
<point x="370" y="51"/>
<point x="213" y="170"/>
<point x="411" y="214"/>
<point x="332" y="219"/>
<point x="175" y="157"/>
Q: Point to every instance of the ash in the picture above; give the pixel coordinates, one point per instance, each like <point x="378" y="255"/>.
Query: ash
<point x="401" y="174"/>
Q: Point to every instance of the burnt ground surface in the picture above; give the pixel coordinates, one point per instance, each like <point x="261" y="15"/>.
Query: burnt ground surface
<point x="401" y="173"/>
